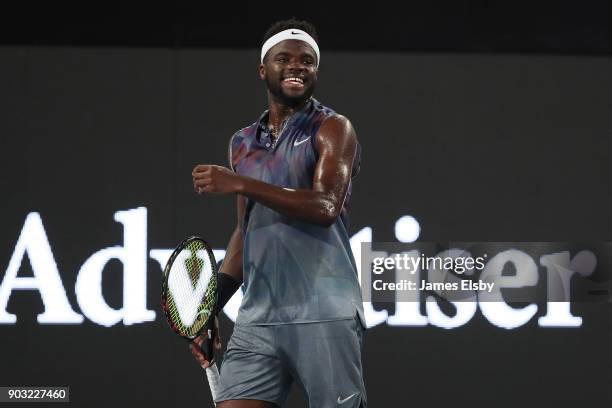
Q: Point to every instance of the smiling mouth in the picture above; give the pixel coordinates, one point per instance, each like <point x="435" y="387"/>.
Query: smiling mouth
<point x="294" y="81"/>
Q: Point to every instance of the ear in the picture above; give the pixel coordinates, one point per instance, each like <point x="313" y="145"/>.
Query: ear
<point x="262" y="71"/>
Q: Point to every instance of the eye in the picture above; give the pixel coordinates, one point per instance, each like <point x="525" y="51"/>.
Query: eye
<point x="282" y="60"/>
<point x="308" y="61"/>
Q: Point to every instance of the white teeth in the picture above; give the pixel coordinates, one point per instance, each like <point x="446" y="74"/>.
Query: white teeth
<point x="294" y="80"/>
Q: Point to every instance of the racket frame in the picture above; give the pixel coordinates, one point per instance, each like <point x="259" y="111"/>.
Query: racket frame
<point x="209" y="325"/>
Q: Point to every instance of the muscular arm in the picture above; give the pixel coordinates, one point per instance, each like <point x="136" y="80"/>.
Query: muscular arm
<point x="232" y="263"/>
<point x="337" y="144"/>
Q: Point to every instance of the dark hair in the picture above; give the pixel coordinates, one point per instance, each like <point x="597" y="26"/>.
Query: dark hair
<point x="291" y="23"/>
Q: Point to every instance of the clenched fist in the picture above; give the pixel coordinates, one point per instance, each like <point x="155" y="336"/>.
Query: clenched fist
<point x="208" y="178"/>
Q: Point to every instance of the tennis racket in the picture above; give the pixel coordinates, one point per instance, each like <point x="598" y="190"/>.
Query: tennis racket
<point x="189" y="297"/>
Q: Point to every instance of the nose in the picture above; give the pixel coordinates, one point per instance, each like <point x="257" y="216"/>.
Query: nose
<point x="296" y="64"/>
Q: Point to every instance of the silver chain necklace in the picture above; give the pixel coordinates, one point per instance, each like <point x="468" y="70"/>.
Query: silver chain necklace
<point x="275" y="132"/>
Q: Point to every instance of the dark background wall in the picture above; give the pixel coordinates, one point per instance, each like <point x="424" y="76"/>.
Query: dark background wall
<point x="468" y="26"/>
<point x="475" y="146"/>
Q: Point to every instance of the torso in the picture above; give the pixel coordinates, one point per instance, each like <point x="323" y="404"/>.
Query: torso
<point x="294" y="271"/>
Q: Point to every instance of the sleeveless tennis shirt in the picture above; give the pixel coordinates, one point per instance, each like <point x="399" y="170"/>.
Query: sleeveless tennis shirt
<point x="294" y="271"/>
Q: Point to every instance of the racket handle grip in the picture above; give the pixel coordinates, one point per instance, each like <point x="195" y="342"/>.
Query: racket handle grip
<point x="208" y="345"/>
<point x="213" y="380"/>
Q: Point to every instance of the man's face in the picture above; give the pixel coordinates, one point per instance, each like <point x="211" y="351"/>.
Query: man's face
<point x="290" y="72"/>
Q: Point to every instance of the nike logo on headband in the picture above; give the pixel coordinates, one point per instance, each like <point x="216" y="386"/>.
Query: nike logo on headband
<point x="294" y="33"/>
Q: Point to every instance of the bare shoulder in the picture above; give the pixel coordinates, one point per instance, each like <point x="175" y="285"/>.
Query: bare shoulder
<point x="336" y="129"/>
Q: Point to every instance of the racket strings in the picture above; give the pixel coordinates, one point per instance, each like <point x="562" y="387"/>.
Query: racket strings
<point x="192" y="290"/>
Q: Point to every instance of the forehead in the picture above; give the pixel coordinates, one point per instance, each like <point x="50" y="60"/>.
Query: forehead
<point x="296" y="47"/>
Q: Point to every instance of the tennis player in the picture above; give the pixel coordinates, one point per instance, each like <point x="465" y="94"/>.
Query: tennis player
<point x="301" y="317"/>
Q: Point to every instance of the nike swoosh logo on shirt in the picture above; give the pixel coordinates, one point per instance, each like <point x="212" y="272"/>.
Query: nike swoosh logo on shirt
<point x="343" y="400"/>
<point x="296" y="143"/>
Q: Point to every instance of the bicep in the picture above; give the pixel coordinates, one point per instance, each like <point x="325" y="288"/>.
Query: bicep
<point x="337" y="145"/>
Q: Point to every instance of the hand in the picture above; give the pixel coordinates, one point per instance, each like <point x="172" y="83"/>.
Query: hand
<point x="196" y="347"/>
<point x="208" y="178"/>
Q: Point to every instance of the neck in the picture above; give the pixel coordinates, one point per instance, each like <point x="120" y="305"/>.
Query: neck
<point x="279" y="111"/>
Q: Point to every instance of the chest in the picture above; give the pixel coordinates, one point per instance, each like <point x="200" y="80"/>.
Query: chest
<point x="290" y="162"/>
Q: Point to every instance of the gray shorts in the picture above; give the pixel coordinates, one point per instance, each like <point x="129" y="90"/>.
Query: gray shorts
<point x="323" y="358"/>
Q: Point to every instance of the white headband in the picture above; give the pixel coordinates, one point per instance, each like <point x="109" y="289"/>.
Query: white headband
<point x="291" y="34"/>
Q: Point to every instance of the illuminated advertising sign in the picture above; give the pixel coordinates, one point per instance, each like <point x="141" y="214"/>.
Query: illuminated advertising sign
<point x="133" y="254"/>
